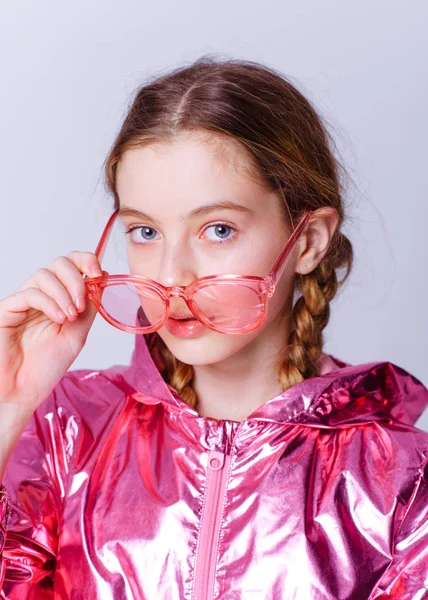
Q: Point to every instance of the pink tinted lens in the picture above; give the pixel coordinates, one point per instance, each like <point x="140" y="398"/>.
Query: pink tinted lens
<point x="123" y="301"/>
<point x="229" y="305"/>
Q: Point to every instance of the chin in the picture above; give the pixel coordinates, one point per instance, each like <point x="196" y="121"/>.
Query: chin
<point x="209" y="348"/>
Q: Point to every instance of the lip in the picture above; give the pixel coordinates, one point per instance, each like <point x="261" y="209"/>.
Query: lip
<point x="180" y="316"/>
<point x="185" y="329"/>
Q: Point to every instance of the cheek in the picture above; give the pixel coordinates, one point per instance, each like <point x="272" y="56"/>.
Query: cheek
<point x="282" y="299"/>
<point x="132" y="262"/>
<point x="283" y="295"/>
<point x="140" y="265"/>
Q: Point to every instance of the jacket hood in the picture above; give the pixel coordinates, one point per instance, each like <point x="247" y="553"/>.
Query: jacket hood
<point x="342" y="395"/>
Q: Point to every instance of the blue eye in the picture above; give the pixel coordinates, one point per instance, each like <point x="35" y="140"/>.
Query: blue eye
<point x="145" y="234"/>
<point x="222" y="232"/>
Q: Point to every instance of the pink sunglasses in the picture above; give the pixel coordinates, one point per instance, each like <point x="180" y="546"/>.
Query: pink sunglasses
<point x="232" y="304"/>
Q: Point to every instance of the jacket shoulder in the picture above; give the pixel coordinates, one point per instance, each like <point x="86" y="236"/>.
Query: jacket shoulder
<point x="85" y="399"/>
<point x="390" y="388"/>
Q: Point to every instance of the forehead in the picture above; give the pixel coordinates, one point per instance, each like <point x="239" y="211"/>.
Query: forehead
<point x="187" y="172"/>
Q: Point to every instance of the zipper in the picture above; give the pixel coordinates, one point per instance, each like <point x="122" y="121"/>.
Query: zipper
<point x="217" y="472"/>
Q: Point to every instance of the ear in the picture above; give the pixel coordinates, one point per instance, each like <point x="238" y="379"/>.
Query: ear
<point x="315" y="240"/>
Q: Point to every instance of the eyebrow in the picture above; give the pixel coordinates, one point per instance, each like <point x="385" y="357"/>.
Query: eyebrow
<point x="127" y="211"/>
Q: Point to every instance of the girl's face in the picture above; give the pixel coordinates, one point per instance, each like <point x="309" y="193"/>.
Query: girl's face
<point x="168" y="182"/>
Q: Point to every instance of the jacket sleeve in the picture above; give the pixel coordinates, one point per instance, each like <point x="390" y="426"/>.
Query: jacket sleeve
<point x="406" y="577"/>
<point x="31" y="507"/>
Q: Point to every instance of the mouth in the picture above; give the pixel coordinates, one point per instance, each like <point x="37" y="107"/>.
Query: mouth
<point x="185" y="327"/>
<point x="182" y="318"/>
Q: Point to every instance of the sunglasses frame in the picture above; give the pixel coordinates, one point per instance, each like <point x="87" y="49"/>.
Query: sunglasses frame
<point x="264" y="286"/>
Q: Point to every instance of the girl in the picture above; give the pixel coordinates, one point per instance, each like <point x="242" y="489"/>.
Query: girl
<point x="233" y="458"/>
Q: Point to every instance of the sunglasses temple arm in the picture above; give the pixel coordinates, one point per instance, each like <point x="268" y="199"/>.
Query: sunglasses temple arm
<point x="281" y="261"/>
<point x="102" y="244"/>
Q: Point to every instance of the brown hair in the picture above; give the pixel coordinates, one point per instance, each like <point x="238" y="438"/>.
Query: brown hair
<point x="292" y="154"/>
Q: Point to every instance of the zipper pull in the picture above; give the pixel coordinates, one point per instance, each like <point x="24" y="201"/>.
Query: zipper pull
<point x="215" y="460"/>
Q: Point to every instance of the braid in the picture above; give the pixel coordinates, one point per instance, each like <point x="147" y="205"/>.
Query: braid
<point x="311" y="314"/>
<point x="177" y="374"/>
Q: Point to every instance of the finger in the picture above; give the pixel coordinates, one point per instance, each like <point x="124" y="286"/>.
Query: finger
<point x="69" y="271"/>
<point x="79" y="328"/>
<point x="86" y="262"/>
<point x="13" y="307"/>
<point x="57" y="285"/>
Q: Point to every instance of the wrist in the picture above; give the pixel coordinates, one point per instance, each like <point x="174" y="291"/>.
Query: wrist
<point x="13" y="420"/>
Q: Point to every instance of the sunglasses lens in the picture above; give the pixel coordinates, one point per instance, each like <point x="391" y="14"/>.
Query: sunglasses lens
<point x="230" y="306"/>
<point x="132" y="305"/>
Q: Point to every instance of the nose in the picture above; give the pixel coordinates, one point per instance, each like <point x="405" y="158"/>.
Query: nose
<point x="175" y="269"/>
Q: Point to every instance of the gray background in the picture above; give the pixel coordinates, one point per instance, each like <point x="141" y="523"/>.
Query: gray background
<point x="68" y="72"/>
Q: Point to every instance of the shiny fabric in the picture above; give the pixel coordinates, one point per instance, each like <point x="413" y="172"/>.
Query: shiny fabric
<point x="120" y="490"/>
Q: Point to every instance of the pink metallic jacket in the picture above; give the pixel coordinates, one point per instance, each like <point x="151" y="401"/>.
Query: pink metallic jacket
<point x="120" y="490"/>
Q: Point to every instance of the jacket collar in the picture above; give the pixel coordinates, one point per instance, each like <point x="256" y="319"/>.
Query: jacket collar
<point x="342" y="395"/>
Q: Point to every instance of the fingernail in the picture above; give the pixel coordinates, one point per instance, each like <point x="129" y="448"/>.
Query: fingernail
<point x="71" y="311"/>
<point x="79" y="302"/>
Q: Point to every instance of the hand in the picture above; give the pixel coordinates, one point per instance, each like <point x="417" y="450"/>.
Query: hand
<point x="39" y="338"/>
